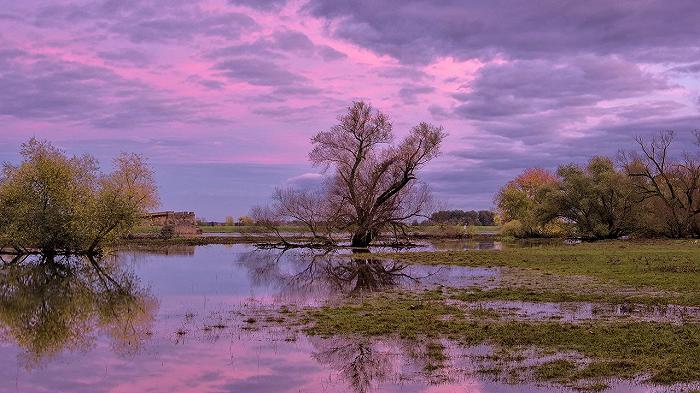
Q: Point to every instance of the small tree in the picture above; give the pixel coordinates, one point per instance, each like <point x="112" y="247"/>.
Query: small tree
<point x="520" y="202"/>
<point x="246" y="220"/>
<point x="55" y="203"/>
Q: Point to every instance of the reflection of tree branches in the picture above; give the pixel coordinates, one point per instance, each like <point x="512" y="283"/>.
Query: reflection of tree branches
<point x="357" y="361"/>
<point x="365" y="363"/>
<point x="323" y="273"/>
<point x="11" y="259"/>
<point x="367" y="274"/>
<point x="50" y="304"/>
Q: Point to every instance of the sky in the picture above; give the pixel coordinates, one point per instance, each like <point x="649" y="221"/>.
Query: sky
<point x="223" y="96"/>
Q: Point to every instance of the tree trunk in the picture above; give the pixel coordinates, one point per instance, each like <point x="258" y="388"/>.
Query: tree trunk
<point x="362" y="238"/>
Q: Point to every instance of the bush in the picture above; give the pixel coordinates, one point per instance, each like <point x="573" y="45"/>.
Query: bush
<point x="513" y="228"/>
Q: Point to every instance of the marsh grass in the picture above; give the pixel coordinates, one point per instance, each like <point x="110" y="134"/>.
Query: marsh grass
<point x="660" y="352"/>
<point x="672" y="266"/>
<point x="528" y="294"/>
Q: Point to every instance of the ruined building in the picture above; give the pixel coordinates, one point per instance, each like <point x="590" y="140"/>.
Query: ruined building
<point x="173" y="223"/>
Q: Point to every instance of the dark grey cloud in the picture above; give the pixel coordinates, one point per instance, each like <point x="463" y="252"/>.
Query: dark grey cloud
<point x="259" y="48"/>
<point x="463" y="187"/>
<point x="265" y="5"/>
<point x="145" y="21"/>
<point x="403" y="72"/>
<point x="329" y="54"/>
<point x="177" y="27"/>
<point x="208" y="83"/>
<point x="535" y="86"/>
<point x="293" y="41"/>
<point x="38" y="87"/>
<point x="288" y="112"/>
<point x="417" y="31"/>
<point x="410" y="94"/>
<point x="10" y="17"/>
<point x="693" y="68"/>
<point x="296" y="90"/>
<point x="280" y="44"/>
<point x="139" y="111"/>
<point x="532" y="100"/>
<point x="257" y="72"/>
<point x="126" y="56"/>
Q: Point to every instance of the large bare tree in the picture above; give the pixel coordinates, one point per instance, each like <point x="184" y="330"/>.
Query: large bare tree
<point x="373" y="183"/>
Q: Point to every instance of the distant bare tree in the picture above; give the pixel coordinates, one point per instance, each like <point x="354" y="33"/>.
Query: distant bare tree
<point x="269" y="218"/>
<point x="307" y="207"/>
<point x="671" y="187"/>
<point x="374" y="184"/>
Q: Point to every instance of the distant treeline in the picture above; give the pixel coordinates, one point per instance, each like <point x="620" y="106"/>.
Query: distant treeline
<point x="647" y="193"/>
<point x="462" y="217"/>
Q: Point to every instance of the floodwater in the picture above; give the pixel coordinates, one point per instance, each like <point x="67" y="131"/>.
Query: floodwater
<point x="177" y="319"/>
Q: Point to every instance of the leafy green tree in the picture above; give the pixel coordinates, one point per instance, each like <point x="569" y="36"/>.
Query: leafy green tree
<point x="598" y="199"/>
<point x="486" y="217"/>
<point x="53" y="203"/>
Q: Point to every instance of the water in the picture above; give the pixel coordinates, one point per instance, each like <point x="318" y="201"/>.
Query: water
<point x="172" y="320"/>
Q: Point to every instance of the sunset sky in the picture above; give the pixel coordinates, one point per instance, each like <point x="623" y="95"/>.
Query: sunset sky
<point x="223" y="96"/>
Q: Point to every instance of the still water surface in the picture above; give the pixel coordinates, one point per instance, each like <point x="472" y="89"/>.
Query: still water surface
<point x="177" y="319"/>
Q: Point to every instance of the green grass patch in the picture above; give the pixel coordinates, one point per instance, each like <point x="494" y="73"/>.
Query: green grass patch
<point x="556" y="370"/>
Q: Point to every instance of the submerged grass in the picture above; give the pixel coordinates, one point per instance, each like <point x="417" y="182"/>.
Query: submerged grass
<point x="527" y="294"/>
<point x="663" y="352"/>
<point x="672" y="266"/>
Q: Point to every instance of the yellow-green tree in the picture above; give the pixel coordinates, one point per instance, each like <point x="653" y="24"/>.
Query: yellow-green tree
<point x="54" y="203"/>
<point x="520" y="203"/>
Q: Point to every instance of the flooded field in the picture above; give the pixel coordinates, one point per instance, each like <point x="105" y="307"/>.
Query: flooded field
<point x="214" y="319"/>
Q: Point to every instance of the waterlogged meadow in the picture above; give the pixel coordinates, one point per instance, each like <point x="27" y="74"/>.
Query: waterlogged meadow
<point x="498" y="317"/>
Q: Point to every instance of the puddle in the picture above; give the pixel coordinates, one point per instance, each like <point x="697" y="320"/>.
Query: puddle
<point x="165" y="320"/>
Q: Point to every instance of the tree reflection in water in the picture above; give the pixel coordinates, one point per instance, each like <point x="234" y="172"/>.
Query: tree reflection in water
<point x="363" y="363"/>
<point x="52" y="304"/>
<point x="304" y="274"/>
<point x="356" y="360"/>
<point x="366" y="363"/>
